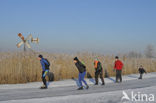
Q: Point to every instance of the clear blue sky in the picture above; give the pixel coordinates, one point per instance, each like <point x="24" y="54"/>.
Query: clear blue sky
<point x="75" y="25"/>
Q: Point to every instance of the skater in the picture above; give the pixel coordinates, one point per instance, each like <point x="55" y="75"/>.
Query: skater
<point x="141" y="71"/>
<point x="82" y="72"/>
<point x="45" y="69"/>
<point x="98" y="71"/>
<point x="118" y="67"/>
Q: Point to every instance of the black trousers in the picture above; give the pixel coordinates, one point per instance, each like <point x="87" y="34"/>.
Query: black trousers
<point x="44" y="78"/>
<point x="118" y="75"/>
<point x="140" y="76"/>
<point x="97" y="73"/>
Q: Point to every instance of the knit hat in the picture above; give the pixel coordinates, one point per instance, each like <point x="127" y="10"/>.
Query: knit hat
<point x="96" y="59"/>
<point x="116" y="57"/>
<point x="40" y="56"/>
<point x="76" y="59"/>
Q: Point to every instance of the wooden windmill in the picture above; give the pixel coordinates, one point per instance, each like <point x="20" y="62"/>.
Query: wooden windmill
<point x="26" y="41"/>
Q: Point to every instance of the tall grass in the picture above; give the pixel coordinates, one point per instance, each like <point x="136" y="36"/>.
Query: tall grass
<point x="24" y="67"/>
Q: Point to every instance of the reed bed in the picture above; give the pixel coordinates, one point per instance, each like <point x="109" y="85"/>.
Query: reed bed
<point x="24" y="67"/>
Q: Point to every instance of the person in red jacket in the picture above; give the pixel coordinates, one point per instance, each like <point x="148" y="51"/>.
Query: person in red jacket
<point x="118" y="67"/>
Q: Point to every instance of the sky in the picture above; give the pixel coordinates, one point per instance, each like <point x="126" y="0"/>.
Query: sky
<point x="110" y="26"/>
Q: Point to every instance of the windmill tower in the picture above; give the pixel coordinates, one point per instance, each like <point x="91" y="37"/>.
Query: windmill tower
<point x="26" y="42"/>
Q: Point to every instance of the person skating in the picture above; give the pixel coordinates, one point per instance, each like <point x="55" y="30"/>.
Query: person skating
<point x="45" y="69"/>
<point x="98" y="71"/>
<point x="82" y="72"/>
<point x="141" y="71"/>
<point x="118" y="67"/>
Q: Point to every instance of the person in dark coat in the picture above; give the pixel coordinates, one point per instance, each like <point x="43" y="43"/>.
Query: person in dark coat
<point x="141" y="71"/>
<point x="98" y="71"/>
<point x="82" y="72"/>
<point x="118" y="65"/>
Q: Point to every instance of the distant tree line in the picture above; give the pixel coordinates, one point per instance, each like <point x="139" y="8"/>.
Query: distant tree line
<point x="148" y="53"/>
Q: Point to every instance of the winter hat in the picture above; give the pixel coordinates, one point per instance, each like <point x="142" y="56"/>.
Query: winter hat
<point x="96" y="59"/>
<point x="76" y="59"/>
<point x="116" y="57"/>
<point x="40" y="56"/>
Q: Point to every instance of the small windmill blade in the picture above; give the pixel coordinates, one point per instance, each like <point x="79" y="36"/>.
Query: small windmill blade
<point x="35" y="40"/>
<point x="21" y="36"/>
<point x="28" y="45"/>
<point x="19" y="44"/>
<point x="29" y="37"/>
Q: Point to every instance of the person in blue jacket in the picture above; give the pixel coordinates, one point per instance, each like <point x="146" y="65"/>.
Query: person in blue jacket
<point x="45" y="70"/>
<point x="82" y="72"/>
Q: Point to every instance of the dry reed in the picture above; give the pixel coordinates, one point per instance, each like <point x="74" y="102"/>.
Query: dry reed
<point x="24" y="67"/>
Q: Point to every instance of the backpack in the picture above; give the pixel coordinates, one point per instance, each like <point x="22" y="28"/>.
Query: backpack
<point x="51" y="76"/>
<point x="47" y="66"/>
<point x="82" y="64"/>
<point x="98" y="66"/>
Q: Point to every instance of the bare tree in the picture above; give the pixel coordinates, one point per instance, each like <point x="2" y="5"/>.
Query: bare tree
<point x="149" y="51"/>
<point x="134" y="54"/>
